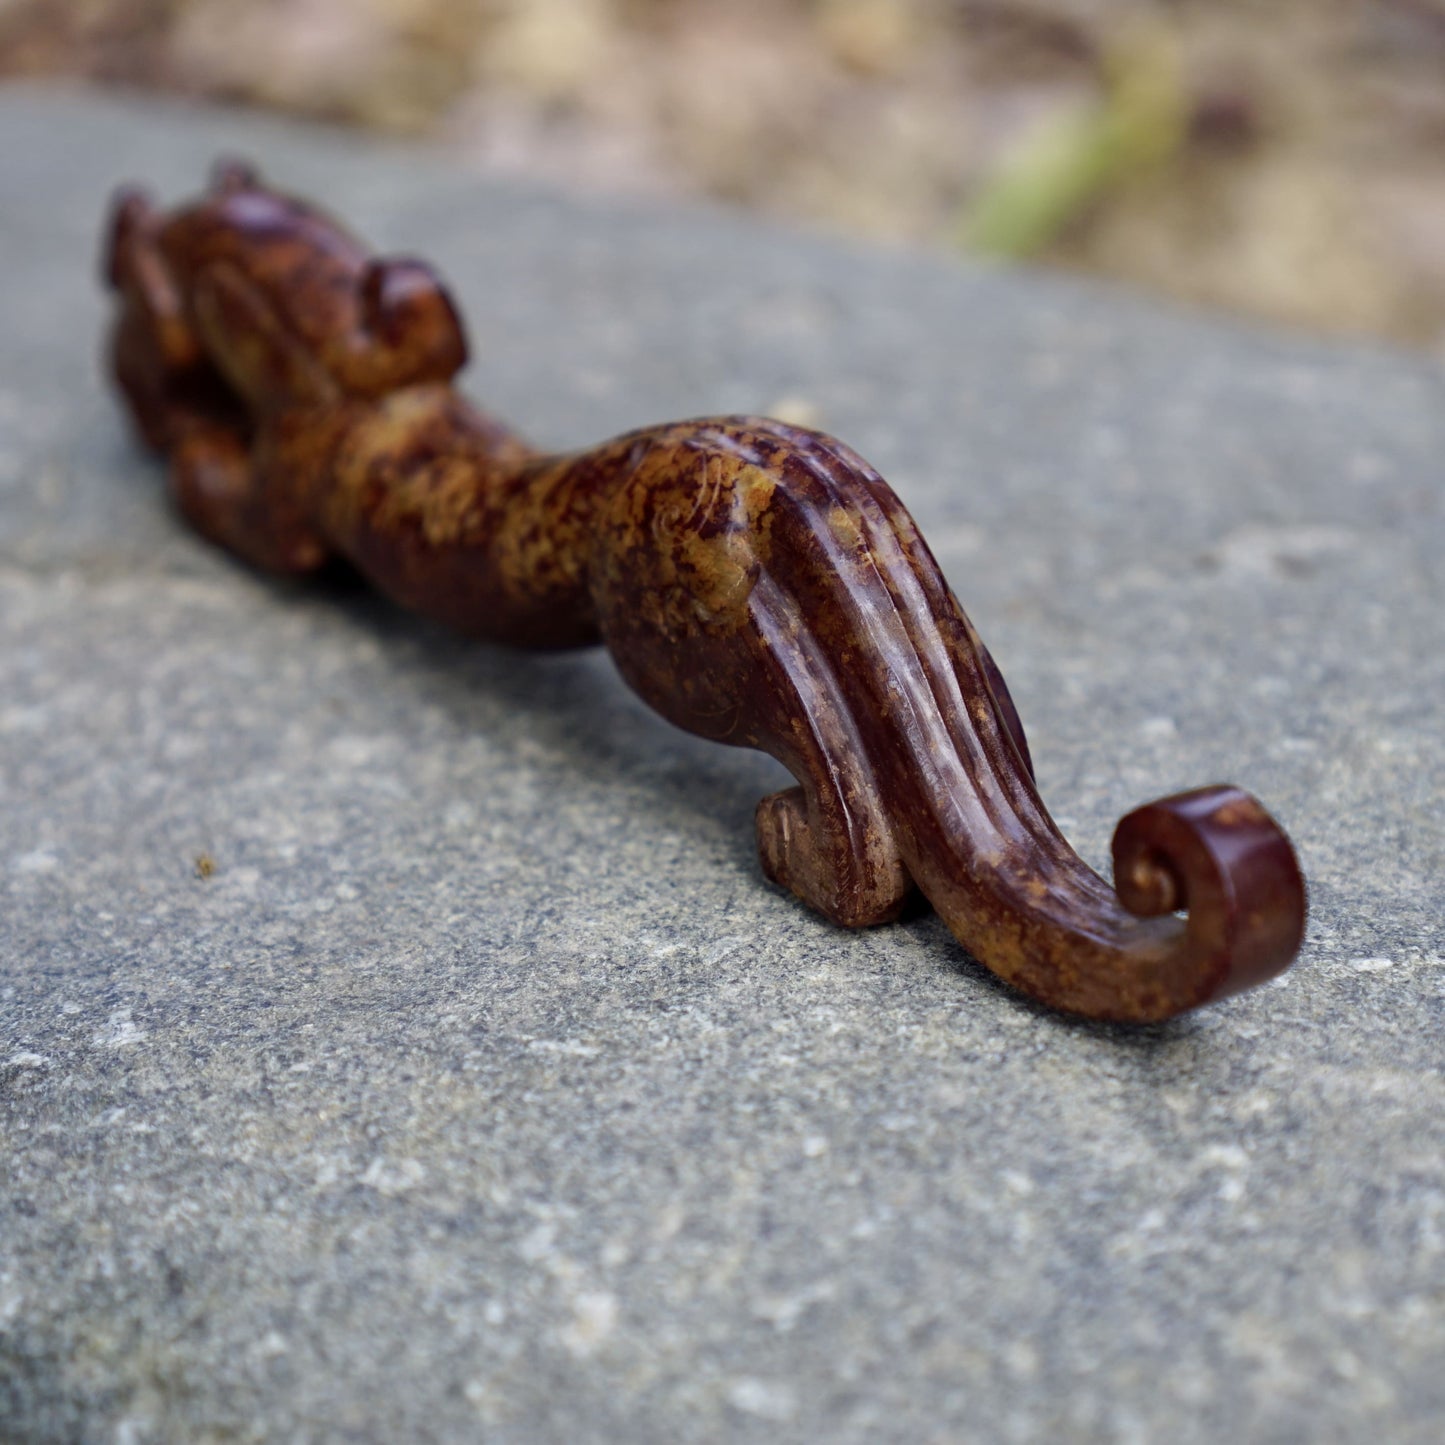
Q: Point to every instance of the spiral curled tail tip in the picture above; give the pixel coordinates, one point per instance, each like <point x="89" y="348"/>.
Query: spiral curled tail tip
<point x="1218" y="854"/>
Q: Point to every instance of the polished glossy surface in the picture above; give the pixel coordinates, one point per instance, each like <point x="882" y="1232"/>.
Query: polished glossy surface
<point x="757" y="583"/>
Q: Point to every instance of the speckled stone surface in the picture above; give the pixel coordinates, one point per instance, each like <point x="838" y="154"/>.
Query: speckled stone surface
<point x="486" y="1090"/>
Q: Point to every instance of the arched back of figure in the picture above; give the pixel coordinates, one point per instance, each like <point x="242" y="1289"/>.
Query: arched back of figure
<point x="756" y="583"/>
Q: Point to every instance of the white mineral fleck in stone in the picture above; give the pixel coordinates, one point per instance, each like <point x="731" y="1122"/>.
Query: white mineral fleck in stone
<point x="766" y="1399"/>
<point x="393" y="1178"/>
<point x="594" y="1314"/>
<point x="120" y="1031"/>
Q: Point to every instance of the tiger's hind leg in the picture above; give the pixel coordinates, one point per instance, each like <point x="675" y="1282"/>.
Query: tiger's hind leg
<point x="828" y="840"/>
<point x="750" y="683"/>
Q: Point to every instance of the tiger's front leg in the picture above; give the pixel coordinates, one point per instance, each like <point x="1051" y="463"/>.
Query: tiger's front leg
<point x="219" y="481"/>
<point x="183" y="408"/>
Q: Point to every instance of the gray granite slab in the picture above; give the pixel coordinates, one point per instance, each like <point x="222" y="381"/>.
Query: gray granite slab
<point x="486" y="1090"/>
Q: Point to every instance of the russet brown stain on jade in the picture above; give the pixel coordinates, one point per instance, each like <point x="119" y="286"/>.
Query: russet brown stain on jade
<point x="757" y="583"/>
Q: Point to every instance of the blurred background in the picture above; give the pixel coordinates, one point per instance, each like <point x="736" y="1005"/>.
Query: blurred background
<point x="1281" y="158"/>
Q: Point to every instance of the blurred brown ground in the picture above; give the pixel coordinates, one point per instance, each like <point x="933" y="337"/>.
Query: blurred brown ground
<point x="1282" y="158"/>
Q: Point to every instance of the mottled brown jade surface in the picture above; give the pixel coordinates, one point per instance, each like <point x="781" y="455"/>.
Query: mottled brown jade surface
<point x="756" y="583"/>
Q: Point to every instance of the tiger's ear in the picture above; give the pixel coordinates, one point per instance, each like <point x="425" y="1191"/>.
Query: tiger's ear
<point x="405" y="308"/>
<point x="132" y="215"/>
<point x="231" y="174"/>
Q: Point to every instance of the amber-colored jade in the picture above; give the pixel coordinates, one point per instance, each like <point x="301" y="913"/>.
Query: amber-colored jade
<point x="757" y="583"/>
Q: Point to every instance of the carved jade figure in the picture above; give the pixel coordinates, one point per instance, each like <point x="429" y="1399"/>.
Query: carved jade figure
<point x="757" y="583"/>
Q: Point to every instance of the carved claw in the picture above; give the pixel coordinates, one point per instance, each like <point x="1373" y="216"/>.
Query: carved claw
<point x="756" y="583"/>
